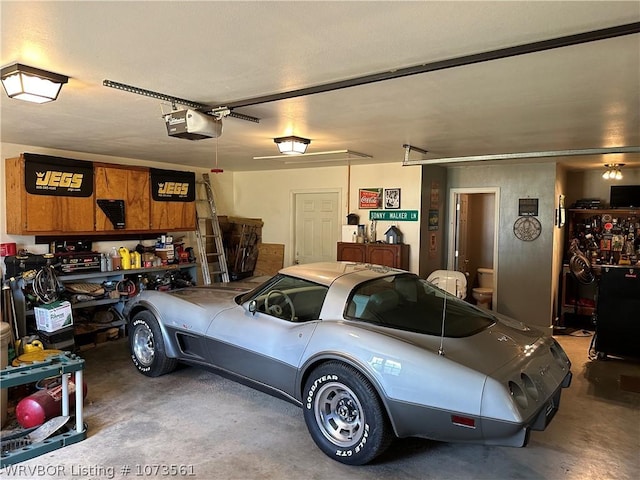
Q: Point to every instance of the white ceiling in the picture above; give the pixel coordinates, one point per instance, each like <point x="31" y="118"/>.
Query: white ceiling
<point x="579" y="97"/>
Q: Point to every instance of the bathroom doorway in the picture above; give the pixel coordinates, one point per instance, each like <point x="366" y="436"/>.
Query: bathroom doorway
<point x="473" y="234"/>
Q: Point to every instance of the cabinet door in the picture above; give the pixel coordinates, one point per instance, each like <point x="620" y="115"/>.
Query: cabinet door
<point x="387" y="255"/>
<point x="173" y="215"/>
<point x="58" y="214"/>
<point x="123" y="183"/>
<point x="39" y="214"/>
<point x="352" y="252"/>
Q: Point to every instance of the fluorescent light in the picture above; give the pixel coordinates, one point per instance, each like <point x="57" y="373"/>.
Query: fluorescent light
<point x="337" y="154"/>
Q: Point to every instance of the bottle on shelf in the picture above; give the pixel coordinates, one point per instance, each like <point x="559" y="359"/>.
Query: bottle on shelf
<point x="136" y="259"/>
<point x="116" y="263"/>
<point x="125" y="258"/>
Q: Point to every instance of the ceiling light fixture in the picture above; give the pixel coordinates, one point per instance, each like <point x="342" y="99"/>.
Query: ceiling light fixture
<point x="612" y="171"/>
<point x="292" y="145"/>
<point x="31" y="84"/>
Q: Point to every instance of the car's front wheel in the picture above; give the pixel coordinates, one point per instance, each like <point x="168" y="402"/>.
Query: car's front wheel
<point x="147" y="346"/>
<point x="344" y="414"/>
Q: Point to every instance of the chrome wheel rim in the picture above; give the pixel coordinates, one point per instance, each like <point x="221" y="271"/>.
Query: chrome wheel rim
<point x="143" y="345"/>
<point x="339" y="414"/>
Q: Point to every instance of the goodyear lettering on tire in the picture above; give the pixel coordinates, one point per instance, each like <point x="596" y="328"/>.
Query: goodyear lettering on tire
<point x="314" y="387"/>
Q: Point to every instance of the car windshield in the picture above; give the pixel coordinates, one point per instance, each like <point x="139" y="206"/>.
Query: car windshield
<point x="409" y="303"/>
<point x="288" y="298"/>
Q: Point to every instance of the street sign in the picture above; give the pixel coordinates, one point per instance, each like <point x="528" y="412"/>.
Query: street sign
<point x="394" y="215"/>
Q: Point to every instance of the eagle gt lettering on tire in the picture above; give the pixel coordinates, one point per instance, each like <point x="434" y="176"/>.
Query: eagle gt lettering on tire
<point x="147" y="346"/>
<point x="344" y="415"/>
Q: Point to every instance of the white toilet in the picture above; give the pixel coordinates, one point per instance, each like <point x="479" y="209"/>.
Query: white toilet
<point x="484" y="292"/>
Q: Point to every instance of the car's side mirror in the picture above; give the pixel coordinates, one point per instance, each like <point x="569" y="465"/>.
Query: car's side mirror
<point x="253" y="306"/>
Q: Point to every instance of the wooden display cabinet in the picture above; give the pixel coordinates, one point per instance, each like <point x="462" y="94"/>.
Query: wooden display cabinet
<point x="389" y="255"/>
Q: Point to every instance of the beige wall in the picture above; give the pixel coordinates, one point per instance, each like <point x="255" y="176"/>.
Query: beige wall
<point x="268" y="195"/>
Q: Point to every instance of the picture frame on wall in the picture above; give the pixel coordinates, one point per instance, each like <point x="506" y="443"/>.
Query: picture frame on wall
<point x="370" y="197"/>
<point x="392" y="198"/>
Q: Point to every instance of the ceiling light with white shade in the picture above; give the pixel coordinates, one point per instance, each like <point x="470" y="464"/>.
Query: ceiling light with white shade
<point x="31" y="84"/>
<point x="292" y="145"/>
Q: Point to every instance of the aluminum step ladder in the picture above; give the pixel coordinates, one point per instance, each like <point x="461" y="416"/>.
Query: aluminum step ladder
<point x="208" y="227"/>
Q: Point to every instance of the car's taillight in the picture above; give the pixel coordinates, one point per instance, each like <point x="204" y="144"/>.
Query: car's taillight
<point x="518" y="395"/>
<point x="529" y="386"/>
<point x="558" y="353"/>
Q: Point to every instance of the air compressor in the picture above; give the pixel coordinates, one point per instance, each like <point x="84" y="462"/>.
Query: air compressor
<point x="46" y="403"/>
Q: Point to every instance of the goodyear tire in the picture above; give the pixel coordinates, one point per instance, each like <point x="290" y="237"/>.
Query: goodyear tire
<point x="147" y="346"/>
<point x="344" y="414"/>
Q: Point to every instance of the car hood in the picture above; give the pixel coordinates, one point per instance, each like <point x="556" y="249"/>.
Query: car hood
<point x="485" y="351"/>
<point x="212" y="299"/>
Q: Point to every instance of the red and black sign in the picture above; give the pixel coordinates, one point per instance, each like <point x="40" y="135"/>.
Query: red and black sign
<point x="172" y="185"/>
<point x="47" y="175"/>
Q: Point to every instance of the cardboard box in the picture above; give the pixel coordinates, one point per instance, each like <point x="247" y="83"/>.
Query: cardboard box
<point x="54" y="316"/>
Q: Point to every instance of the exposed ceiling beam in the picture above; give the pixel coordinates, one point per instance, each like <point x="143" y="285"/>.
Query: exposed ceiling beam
<point x="516" y="156"/>
<point x="533" y="47"/>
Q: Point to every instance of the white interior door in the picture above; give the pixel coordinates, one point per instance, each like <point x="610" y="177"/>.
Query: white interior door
<point x="316" y="226"/>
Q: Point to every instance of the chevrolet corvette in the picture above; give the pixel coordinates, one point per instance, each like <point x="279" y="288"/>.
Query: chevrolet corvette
<point x="369" y="353"/>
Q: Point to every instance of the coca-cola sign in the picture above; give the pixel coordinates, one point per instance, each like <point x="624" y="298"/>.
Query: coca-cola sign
<point x="370" y="197"/>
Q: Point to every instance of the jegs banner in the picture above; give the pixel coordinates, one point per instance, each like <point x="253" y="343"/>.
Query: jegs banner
<point x="172" y="185"/>
<point x="47" y="175"/>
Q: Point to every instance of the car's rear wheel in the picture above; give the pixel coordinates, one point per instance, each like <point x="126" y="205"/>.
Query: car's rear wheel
<point x="147" y="346"/>
<point x="344" y="414"/>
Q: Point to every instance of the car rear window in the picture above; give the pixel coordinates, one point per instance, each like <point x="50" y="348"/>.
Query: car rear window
<point x="409" y="303"/>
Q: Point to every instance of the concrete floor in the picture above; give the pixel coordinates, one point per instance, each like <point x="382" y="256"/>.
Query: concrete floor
<point x="219" y="429"/>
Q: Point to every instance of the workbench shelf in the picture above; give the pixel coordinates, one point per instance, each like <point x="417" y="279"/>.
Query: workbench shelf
<point x="115" y="276"/>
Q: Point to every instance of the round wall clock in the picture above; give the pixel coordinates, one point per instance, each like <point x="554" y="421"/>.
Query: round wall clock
<point x="527" y="228"/>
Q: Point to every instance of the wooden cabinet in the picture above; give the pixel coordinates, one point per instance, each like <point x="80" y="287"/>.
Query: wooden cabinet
<point x="30" y="214"/>
<point x="352" y="252"/>
<point x="396" y="256"/>
<point x="55" y="214"/>
<point x="167" y="216"/>
<point x="123" y="183"/>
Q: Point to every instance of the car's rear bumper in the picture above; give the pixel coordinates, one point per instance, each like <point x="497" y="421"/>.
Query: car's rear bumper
<point x="437" y="424"/>
<point x="499" y="433"/>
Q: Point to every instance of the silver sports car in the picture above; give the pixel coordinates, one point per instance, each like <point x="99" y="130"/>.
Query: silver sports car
<point x="369" y="353"/>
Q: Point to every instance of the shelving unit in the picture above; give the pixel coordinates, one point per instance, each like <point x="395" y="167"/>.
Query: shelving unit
<point x="602" y="235"/>
<point x="93" y="277"/>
